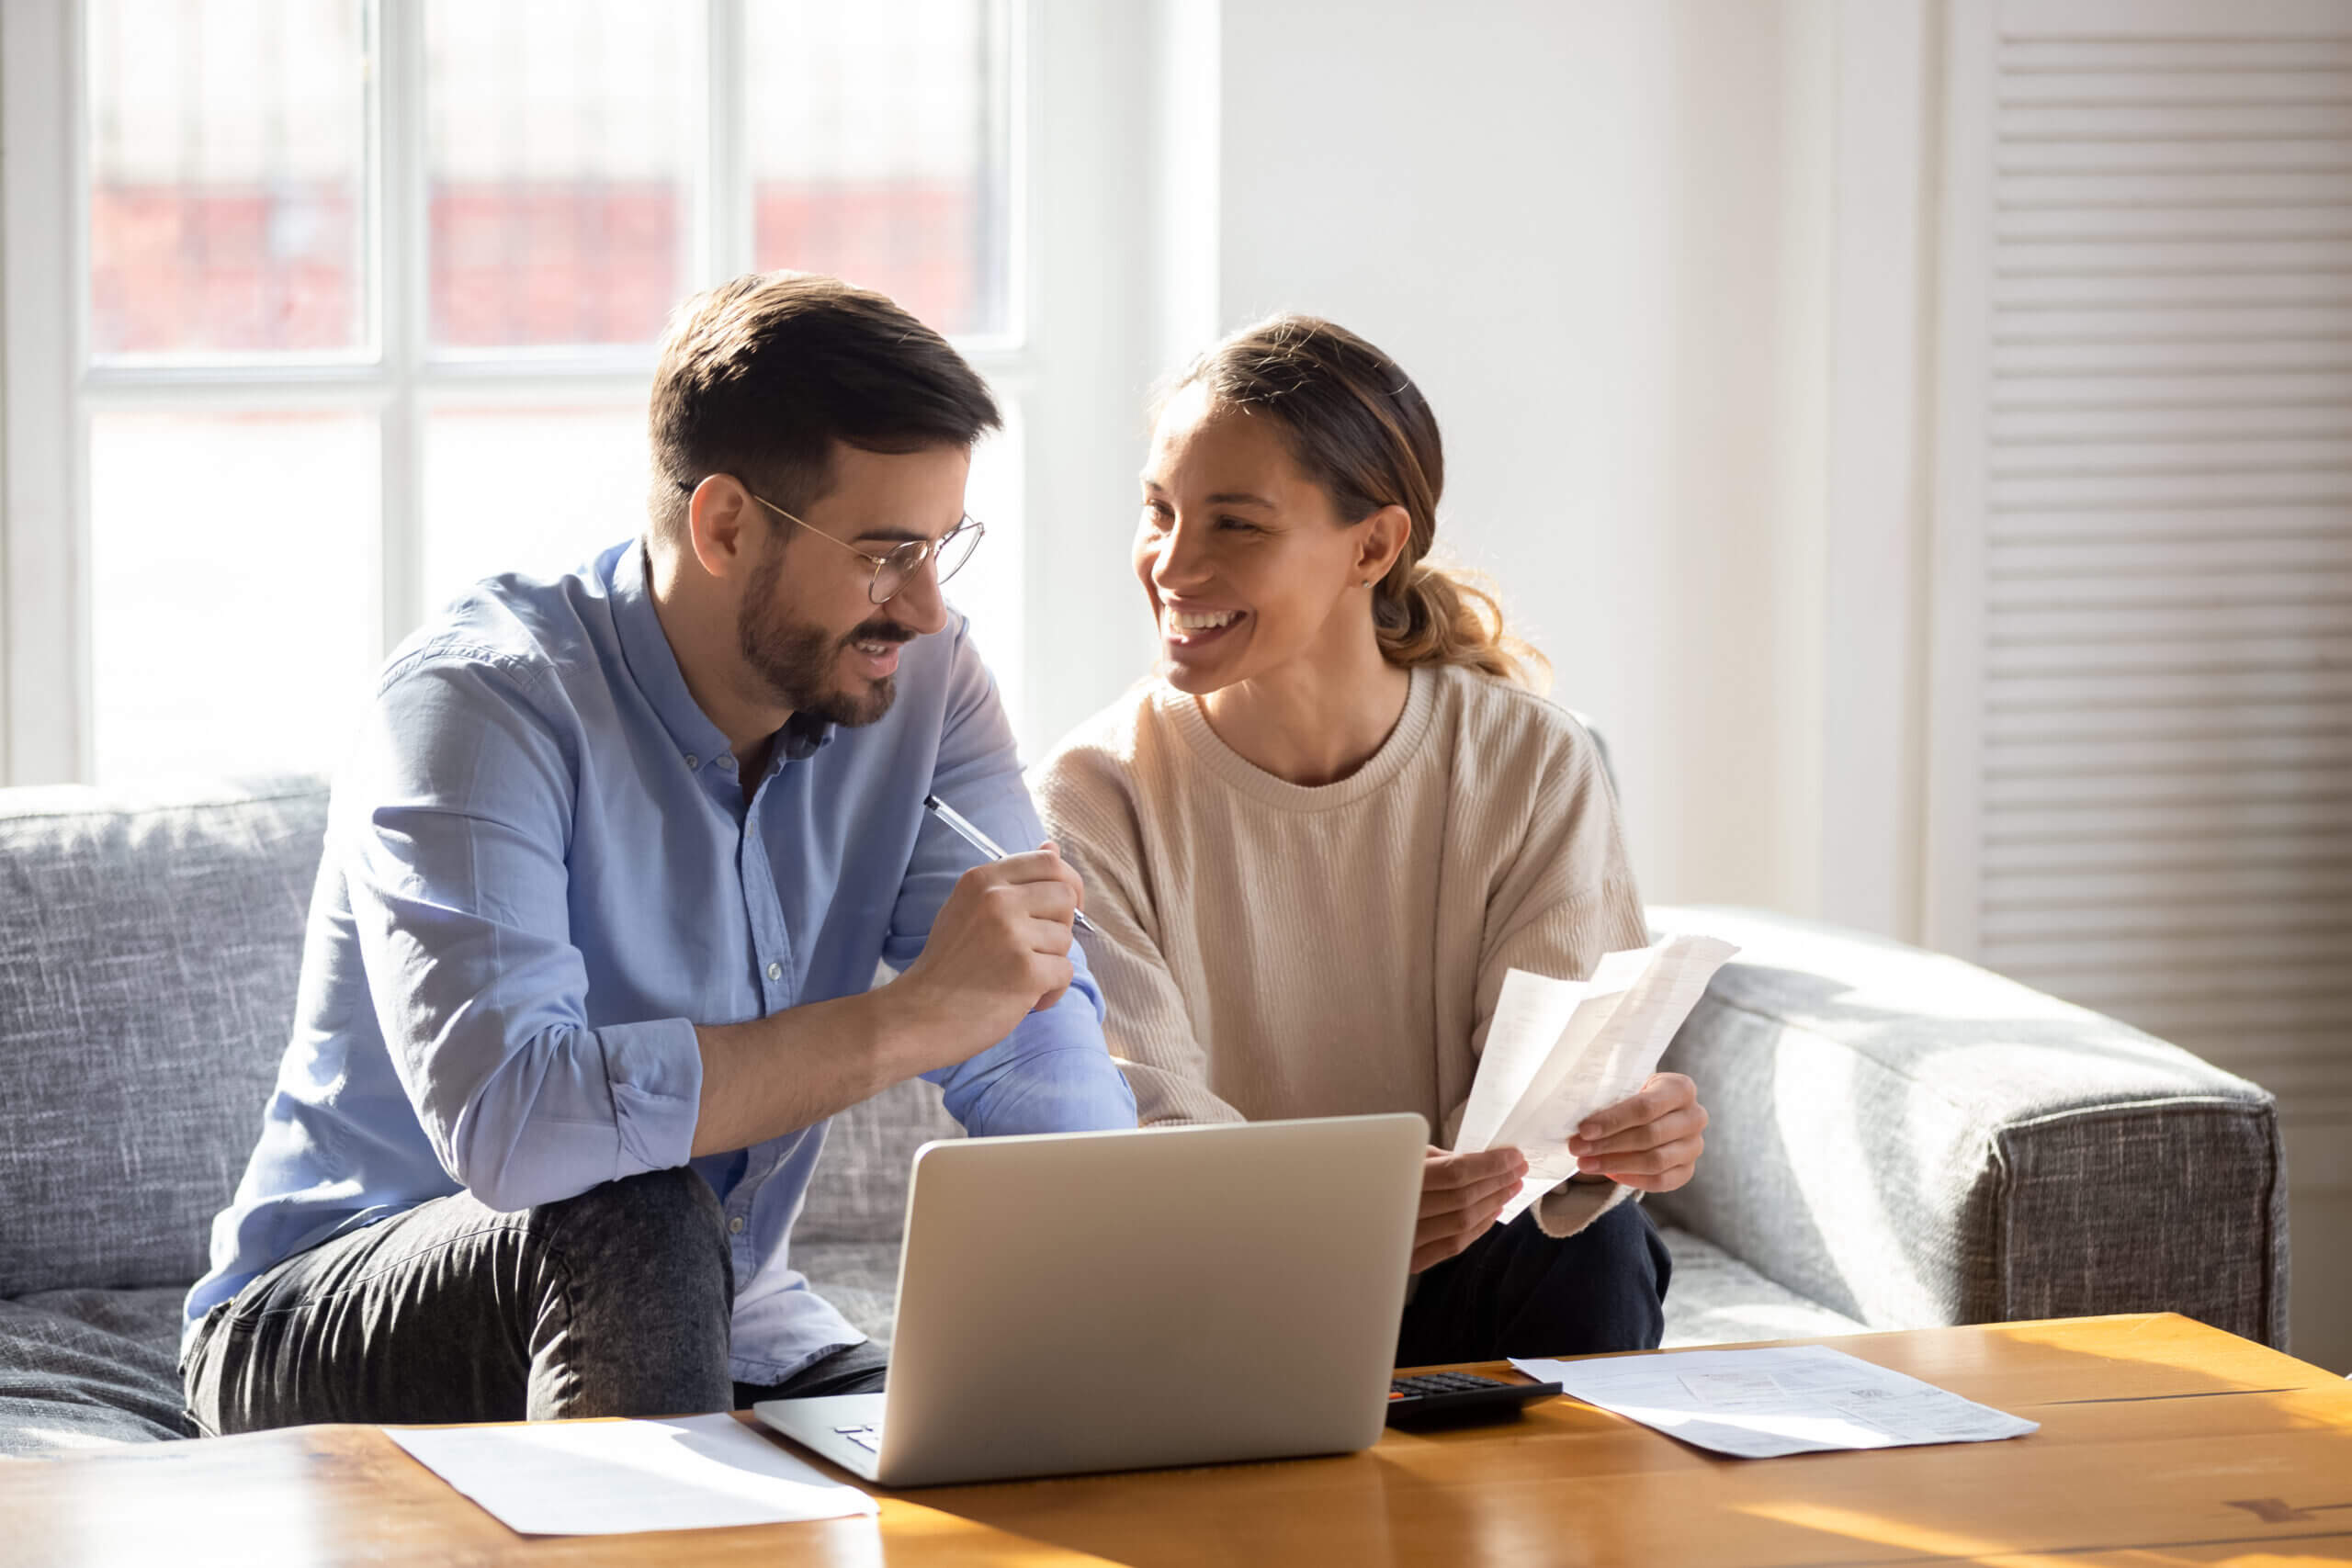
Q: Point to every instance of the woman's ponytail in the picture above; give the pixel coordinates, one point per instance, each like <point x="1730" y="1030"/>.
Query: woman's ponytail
<point x="1426" y="613"/>
<point x="1361" y="429"/>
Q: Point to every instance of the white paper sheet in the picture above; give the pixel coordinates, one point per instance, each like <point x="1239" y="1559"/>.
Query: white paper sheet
<point x="1559" y="1050"/>
<point x="1762" y="1403"/>
<point x="614" y="1477"/>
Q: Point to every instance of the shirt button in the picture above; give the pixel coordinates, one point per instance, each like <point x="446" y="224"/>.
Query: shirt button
<point x="693" y="761"/>
<point x="775" y="971"/>
<point x="735" y="1226"/>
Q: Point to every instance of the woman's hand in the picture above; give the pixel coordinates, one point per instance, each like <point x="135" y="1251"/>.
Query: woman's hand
<point x="1651" y="1141"/>
<point x="1461" y="1196"/>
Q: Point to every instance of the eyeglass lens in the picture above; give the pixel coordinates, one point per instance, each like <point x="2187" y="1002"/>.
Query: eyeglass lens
<point x="903" y="562"/>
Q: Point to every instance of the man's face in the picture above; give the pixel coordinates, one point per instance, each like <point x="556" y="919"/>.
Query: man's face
<point x="808" y="627"/>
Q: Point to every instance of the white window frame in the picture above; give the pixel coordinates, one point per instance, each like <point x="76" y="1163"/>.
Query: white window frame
<point x="51" y="390"/>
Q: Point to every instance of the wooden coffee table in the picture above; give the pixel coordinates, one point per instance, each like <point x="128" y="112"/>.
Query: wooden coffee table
<point x="2162" y="1441"/>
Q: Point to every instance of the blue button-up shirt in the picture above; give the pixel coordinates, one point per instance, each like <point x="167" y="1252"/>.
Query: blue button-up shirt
<point x="542" y="873"/>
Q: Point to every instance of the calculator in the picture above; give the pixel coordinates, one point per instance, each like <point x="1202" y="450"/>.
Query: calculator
<point x="1444" y="1398"/>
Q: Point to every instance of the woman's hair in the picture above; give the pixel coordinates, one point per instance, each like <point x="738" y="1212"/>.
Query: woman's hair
<point x="1360" y="428"/>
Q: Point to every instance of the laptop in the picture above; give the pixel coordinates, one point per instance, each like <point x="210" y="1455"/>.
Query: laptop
<point x="1080" y="1301"/>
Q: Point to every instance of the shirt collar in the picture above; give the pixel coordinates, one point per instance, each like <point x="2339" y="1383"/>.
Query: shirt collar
<point x="653" y="665"/>
<point x="803" y="734"/>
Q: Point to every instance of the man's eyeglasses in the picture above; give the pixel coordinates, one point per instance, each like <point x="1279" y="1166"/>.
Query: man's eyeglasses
<point x="947" y="553"/>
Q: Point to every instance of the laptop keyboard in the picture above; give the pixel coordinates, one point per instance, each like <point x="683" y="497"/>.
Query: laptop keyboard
<point x="867" y="1437"/>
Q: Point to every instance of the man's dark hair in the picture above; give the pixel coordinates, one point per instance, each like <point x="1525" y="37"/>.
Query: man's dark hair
<point x="758" y="378"/>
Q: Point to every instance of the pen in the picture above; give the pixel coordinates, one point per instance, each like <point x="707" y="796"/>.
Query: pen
<point x="988" y="846"/>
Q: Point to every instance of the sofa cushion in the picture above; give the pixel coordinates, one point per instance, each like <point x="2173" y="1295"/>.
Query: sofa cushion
<point x="149" y="946"/>
<point x="1717" y="1300"/>
<point x="859" y="1277"/>
<point x="858" y="1194"/>
<point x="89" y="1369"/>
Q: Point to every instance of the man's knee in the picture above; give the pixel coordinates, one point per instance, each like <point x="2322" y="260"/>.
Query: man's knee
<point x="663" y="1226"/>
<point x="675" y="1197"/>
<point x="636" y="1292"/>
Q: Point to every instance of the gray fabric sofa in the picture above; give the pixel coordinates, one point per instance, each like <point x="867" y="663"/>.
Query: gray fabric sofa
<point x="1899" y="1140"/>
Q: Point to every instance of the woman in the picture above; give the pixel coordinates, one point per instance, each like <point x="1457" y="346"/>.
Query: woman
<point x="1319" y="839"/>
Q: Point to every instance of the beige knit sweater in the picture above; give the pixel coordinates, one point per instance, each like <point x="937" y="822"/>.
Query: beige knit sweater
<point x="1270" y="950"/>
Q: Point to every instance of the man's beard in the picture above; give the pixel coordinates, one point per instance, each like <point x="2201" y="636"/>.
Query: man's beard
<point x="796" y="658"/>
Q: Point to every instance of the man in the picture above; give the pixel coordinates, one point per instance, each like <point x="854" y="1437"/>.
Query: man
<point x="607" y="880"/>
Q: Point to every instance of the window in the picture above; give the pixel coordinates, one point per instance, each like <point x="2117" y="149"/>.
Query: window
<point x="359" y="303"/>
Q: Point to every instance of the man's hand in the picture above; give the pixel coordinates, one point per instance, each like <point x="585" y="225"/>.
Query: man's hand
<point x="1461" y="1196"/>
<point x="1651" y="1142"/>
<point x="997" y="951"/>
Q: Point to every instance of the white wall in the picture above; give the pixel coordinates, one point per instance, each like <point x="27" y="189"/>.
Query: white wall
<point x="1091" y="257"/>
<point x="1597" y="233"/>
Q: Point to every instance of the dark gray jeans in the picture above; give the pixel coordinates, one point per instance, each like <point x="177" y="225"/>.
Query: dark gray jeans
<point x="616" y="1303"/>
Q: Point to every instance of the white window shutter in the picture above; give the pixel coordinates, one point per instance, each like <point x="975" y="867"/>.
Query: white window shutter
<point x="2141" y="767"/>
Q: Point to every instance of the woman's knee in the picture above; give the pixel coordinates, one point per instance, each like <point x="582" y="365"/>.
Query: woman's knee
<point x="1628" y="1239"/>
<point x="1602" y="1289"/>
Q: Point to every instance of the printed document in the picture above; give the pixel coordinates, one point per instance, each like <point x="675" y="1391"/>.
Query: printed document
<point x="616" y="1477"/>
<point x="1559" y="1050"/>
<point x="1761" y="1403"/>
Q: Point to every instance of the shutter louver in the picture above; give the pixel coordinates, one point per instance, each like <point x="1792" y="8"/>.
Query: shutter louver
<point x="2164" y="807"/>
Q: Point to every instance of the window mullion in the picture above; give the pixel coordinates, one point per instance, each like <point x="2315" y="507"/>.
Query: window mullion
<point x="44" y="601"/>
<point x="401" y="253"/>
<point x="723" y="186"/>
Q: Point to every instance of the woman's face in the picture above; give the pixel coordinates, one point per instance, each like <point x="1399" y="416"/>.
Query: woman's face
<point x="1248" y="565"/>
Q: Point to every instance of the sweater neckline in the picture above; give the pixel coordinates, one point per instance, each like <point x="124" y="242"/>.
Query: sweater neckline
<point x="1182" y="711"/>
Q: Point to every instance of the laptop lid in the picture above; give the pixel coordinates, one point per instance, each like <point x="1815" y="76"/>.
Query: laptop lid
<point x="1183" y="1295"/>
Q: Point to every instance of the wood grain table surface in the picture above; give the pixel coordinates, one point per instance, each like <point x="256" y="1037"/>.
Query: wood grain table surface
<point x="2162" y="1441"/>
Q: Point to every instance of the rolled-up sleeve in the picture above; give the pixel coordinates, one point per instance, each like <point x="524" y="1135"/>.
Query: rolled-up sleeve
<point x="1053" y="1073"/>
<point x="1040" y="1078"/>
<point x="454" y="825"/>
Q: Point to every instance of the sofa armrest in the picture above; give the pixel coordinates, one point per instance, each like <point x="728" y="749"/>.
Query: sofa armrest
<point x="1913" y="1140"/>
